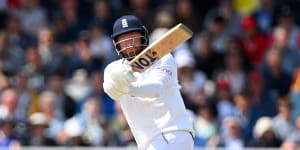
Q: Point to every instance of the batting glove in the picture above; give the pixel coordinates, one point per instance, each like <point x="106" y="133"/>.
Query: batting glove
<point x="110" y="88"/>
<point x="117" y="77"/>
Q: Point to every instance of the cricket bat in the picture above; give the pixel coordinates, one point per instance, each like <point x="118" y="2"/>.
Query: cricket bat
<point x="159" y="48"/>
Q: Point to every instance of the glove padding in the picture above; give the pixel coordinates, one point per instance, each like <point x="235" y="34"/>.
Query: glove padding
<point x="117" y="77"/>
<point x="110" y="87"/>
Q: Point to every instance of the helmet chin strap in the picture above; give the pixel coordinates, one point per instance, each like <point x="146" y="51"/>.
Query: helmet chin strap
<point x="130" y="58"/>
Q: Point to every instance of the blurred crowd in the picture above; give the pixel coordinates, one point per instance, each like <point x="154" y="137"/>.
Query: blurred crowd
<point x="239" y="74"/>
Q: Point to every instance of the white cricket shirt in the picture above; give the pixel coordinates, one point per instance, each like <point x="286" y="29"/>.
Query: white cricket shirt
<point x="154" y="104"/>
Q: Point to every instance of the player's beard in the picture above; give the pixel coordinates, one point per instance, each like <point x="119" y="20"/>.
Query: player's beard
<point x="135" y="50"/>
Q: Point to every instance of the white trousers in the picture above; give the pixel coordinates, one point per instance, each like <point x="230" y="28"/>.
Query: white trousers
<point x="175" y="140"/>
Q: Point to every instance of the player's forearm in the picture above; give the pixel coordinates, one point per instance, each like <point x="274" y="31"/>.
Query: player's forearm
<point x="148" y="89"/>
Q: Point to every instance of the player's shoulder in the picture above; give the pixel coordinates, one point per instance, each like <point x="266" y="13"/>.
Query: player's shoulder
<point x="116" y="61"/>
<point x="111" y="64"/>
<point x="168" y="59"/>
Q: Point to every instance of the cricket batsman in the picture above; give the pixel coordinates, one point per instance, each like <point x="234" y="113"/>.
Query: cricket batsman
<point x="151" y="101"/>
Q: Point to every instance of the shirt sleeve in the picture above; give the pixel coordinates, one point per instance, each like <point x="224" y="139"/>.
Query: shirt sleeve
<point x="158" y="81"/>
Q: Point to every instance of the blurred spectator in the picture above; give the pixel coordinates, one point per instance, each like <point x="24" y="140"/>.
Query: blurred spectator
<point x="110" y="136"/>
<point x="8" y="118"/>
<point x="265" y="15"/>
<point x="253" y="43"/>
<point x="259" y="99"/>
<point x="293" y="140"/>
<point x="286" y="19"/>
<point x="191" y="80"/>
<point x="54" y="121"/>
<point x="11" y="56"/>
<point x="7" y="137"/>
<point x="104" y="13"/>
<point x="245" y="113"/>
<point x="223" y="99"/>
<point x="232" y="135"/>
<point x="234" y="70"/>
<point x="9" y="103"/>
<point x="34" y="70"/>
<point x="16" y="34"/>
<point x="277" y="81"/>
<point x="90" y="121"/>
<point x="82" y="57"/>
<point x="107" y="105"/>
<point x="38" y="123"/>
<point x="32" y="16"/>
<point x="121" y="127"/>
<point x="65" y="106"/>
<point x="4" y="81"/>
<point x="164" y="18"/>
<point x="3" y="5"/>
<point x="232" y="46"/>
<point x="62" y="31"/>
<point x="290" y="56"/>
<point x="51" y="56"/>
<point x="26" y="96"/>
<point x="101" y="46"/>
<point x="69" y="9"/>
<point x="67" y="21"/>
<point x="216" y="26"/>
<point x="184" y="13"/>
<point x="78" y="86"/>
<point x="205" y="125"/>
<point x="263" y="134"/>
<point x="141" y="9"/>
<point x="226" y="10"/>
<point x="74" y="133"/>
<point x="283" y="121"/>
<point x="208" y="60"/>
<point x="295" y="93"/>
<point x="111" y="127"/>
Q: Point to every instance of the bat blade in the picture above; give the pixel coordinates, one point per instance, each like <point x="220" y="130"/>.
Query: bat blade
<point x="159" y="48"/>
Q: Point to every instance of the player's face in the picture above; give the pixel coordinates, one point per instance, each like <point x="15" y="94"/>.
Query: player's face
<point x="130" y="44"/>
